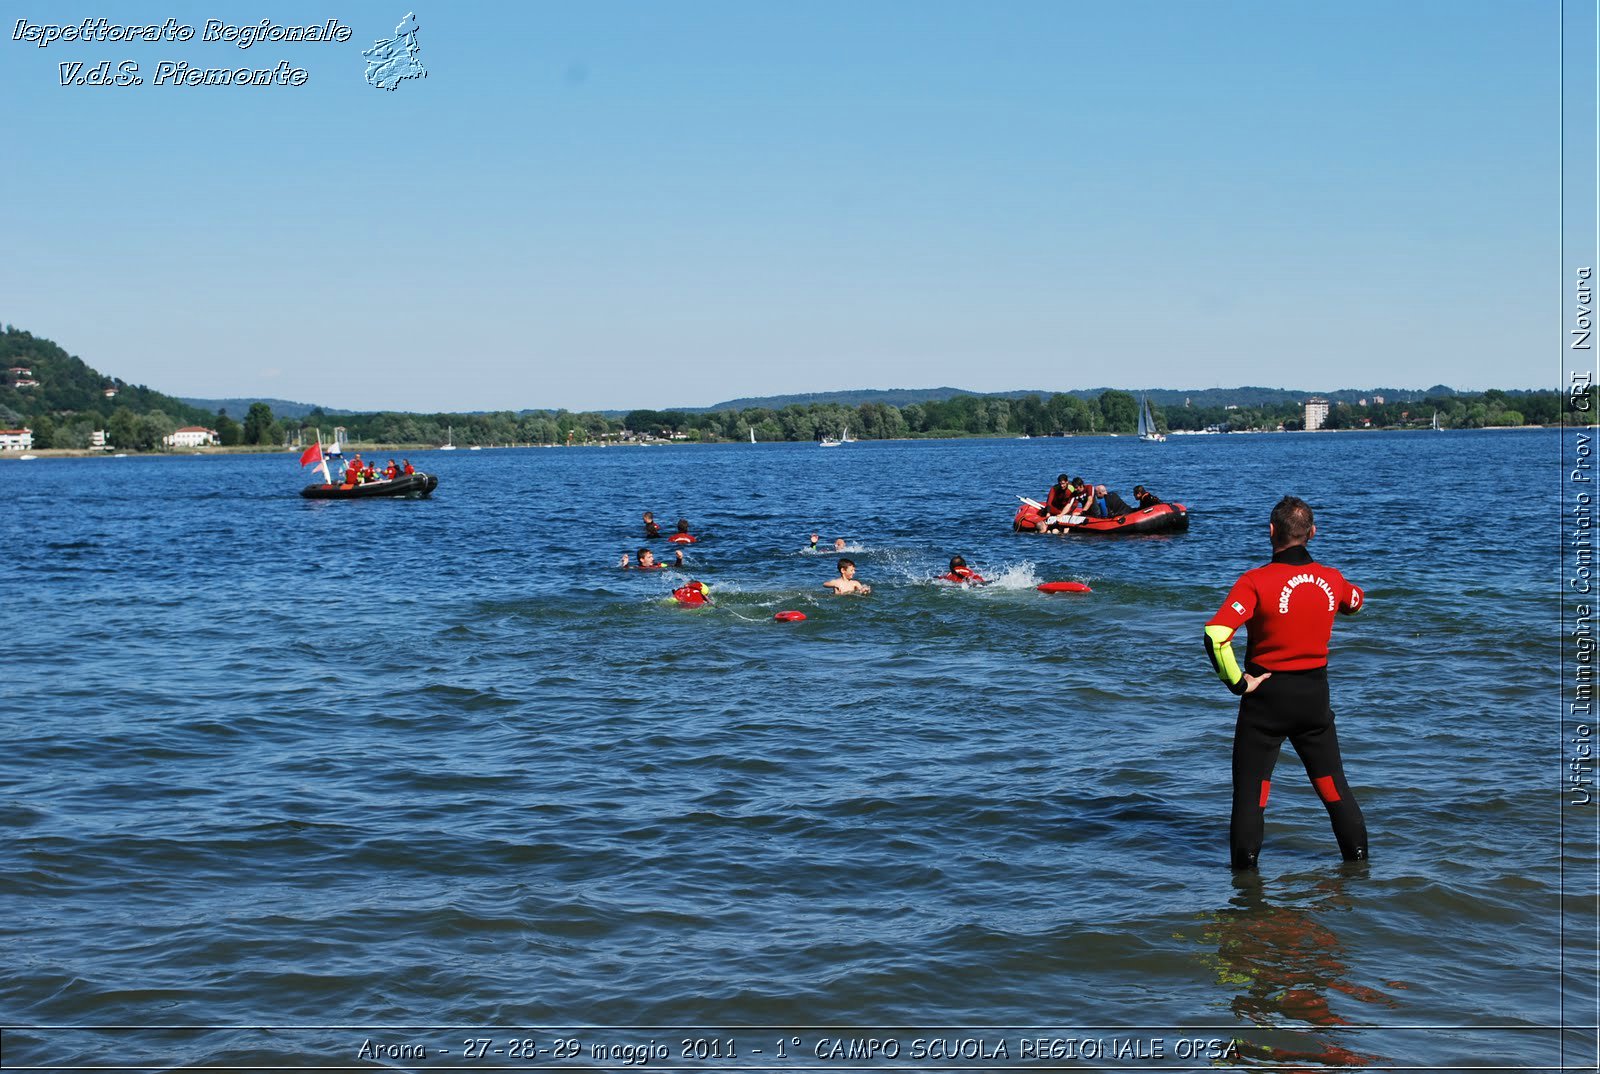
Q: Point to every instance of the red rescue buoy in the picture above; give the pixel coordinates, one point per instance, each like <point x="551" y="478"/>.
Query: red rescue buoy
<point x="790" y="617"/>
<point x="1064" y="587"/>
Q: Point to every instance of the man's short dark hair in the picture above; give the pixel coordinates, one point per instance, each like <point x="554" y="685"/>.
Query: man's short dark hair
<point x="1063" y="477"/>
<point x="641" y="552"/>
<point x="1291" y="521"/>
<point x="846" y="561"/>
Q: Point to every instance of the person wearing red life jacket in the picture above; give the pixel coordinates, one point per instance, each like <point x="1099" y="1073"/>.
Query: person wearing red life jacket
<point x="1066" y="497"/>
<point x="961" y="574"/>
<point x="650" y="527"/>
<point x="692" y="595"/>
<point x="683" y="536"/>
<point x="1289" y="606"/>
<point x="391" y="471"/>
<point x="406" y="468"/>
<point x="353" y="471"/>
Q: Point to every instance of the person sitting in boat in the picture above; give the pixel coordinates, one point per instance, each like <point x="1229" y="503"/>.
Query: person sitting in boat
<point x="1144" y="497"/>
<point x="353" y="470"/>
<point x="650" y="527"/>
<point x="369" y="474"/>
<point x="1108" y="504"/>
<point x="406" y="467"/>
<point x="846" y="582"/>
<point x="1082" y="499"/>
<point x="647" y="561"/>
<point x="1056" y="502"/>
<point x="961" y="574"/>
<point x="391" y="471"/>
<point x="683" y="536"/>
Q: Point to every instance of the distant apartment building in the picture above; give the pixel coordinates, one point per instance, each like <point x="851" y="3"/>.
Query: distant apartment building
<point x="109" y="393"/>
<point x="97" y="440"/>
<point x="1316" y="414"/>
<point x="20" y="371"/>
<point x="16" y="439"/>
<point x="191" y="436"/>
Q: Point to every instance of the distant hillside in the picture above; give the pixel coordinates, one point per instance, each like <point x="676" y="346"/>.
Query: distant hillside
<point x="1196" y="397"/>
<point x="890" y="396"/>
<point x="59" y="383"/>
<point x="281" y="408"/>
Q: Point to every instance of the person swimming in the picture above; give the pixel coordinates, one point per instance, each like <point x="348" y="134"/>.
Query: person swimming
<point x="692" y="594"/>
<point x="647" y="561"/>
<point x="961" y="574"/>
<point x="846" y="582"/>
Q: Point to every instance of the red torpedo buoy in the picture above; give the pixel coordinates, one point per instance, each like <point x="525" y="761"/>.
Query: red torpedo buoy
<point x="790" y="617"/>
<point x="1064" y="587"/>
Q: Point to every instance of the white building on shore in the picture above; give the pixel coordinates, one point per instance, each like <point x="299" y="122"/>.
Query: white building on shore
<point x="16" y="439"/>
<point x="191" y="436"/>
<point x="1316" y="414"/>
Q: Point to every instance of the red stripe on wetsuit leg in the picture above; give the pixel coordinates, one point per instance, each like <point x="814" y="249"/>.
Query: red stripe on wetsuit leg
<point x="1266" y="789"/>
<point x="1325" y="788"/>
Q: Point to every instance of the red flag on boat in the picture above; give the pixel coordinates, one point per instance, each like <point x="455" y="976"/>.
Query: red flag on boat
<point x="312" y="454"/>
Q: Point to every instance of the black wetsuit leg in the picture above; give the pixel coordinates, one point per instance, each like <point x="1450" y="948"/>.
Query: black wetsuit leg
<point x="1292" y="705"/>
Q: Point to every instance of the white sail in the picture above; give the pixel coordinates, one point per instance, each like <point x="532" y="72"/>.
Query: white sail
<point x="1147" y="424"/>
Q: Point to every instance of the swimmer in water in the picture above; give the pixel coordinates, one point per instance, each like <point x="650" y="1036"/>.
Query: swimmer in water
<point x="693" y="594"/>
<point x="961" y="574"/>
<point x="846" y="582"/>
<point x="647" y="561"/>
<point x="650" y="527"/>
<point x="838" y="543"/>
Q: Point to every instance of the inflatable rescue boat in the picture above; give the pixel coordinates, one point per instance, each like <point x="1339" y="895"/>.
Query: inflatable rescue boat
<point x="1157" y="518"/>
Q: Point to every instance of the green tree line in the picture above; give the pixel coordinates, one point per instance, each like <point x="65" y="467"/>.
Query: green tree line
<point x="70" y="402"/>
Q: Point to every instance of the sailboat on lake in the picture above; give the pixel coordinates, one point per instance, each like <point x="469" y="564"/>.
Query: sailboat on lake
<point x="1147" y="424"/>
<point x="449" y="439"/>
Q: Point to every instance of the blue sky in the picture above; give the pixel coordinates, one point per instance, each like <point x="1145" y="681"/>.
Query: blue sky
<point x="611" y="205"/>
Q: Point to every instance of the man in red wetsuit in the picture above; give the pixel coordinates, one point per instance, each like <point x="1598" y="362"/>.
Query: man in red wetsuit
<point x="1289" y="605"/>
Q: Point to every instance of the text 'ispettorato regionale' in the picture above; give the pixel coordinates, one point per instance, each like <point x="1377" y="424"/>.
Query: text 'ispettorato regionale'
<point x="179" y="72"/>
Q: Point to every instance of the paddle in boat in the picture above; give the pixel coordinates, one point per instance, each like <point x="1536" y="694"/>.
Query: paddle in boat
<point x="1157" y="518"/>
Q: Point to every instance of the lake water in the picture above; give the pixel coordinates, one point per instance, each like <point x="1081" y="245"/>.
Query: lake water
<point x="407" y="775"/>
